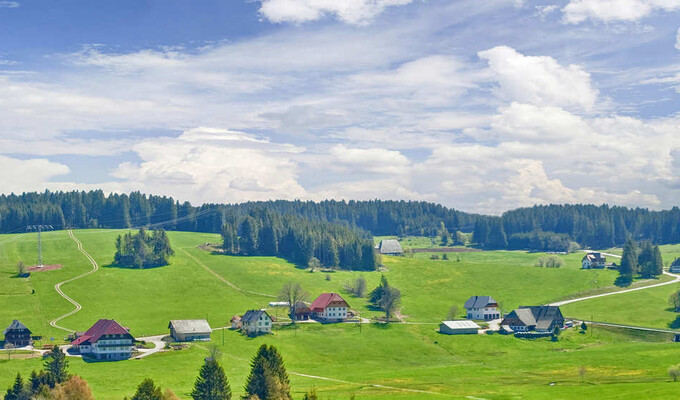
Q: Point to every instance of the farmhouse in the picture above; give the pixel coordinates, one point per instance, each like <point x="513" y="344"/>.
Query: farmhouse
<point x="106" y="340"/>
<point x="256" y="322"/>
<point x="235" y="322"/>
<point x="17" y="334"/>
<point x="186" y="330"/>
<point x="482" y="308"/>
<point x="459" y="328"/>
<point x="301" y="312"/>
<point x="329" y="307"/>
<point x="675" y="266"/>
<point x="593" y="260"/>
<point x="535" y="318"/>
<point x="390" y="247"/>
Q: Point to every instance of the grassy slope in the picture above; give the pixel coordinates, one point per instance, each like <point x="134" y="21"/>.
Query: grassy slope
<point x="411" y="356"/>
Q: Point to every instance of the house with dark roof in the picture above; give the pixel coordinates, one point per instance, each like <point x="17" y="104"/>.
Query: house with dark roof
<point x="105" y="340"/>
<point x="593" y="260"/>
<point x="482" y="308"/>
<point x="675" y="266"/>
<point x="390" y="247"/>
<point x="235" y="322"/>
<point x="301" y="312"/>
<point x="329" y="307"/>
<point x="18" y="334"/>
<point x="187" y="330"/>
<point x="534" y="318"/>
<point x="255" y="322"/>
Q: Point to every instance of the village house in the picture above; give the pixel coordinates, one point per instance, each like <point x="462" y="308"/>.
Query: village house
<point x="482" y="308"/>
<point x="187" y="330"/>
<point x="17" y="334"/>
<point x="593" y="261"/>
<point x="390" y="247"/>
<point x="535" y="318"/>
<point x="459" y="328"/>
<point x="235" y="322"/>
<point x="106" y="340"/>
<point x="329" y="307"/>
<point x="675" y="266"/>
<point x="301" y="312"/>
<point x="255" y="322"/>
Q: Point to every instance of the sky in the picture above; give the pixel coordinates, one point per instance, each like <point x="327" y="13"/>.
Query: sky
<point x="482" y="106"/>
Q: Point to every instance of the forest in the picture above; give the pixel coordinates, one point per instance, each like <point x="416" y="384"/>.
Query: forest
<point x="541" y="227"/>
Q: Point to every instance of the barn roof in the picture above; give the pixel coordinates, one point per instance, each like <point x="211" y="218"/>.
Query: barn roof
<point x="101" y="328"/>
<point x="190" y="326"/>
<point x="324" y="300"/>
<point x="461" y="324"/>
<point x="16" y="325"/>
<point x="479" y="301"/>
<point x="390" y="246"/>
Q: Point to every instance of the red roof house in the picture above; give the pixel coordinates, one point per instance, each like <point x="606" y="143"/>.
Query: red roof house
<point x="330" y="307"/>
<point x="106" y="340"/>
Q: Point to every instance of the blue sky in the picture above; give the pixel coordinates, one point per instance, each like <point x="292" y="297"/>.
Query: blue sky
<point x="481" y="106"/>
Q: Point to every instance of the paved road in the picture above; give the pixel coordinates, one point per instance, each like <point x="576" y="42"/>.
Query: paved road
<point x="675" y="280"/>
<point x="637" y="328"/>
<point x="57" y="287"/>
<point x="156" y="340"/>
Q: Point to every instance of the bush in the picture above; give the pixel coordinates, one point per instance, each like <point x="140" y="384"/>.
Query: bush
<point x="550" y="262"/>
<point x="674" y="372"/>
<point x="357" y="288"/>
<point x="434" y="257"/>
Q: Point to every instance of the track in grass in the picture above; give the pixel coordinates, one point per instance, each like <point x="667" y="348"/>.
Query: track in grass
<point x="57" y="287"/>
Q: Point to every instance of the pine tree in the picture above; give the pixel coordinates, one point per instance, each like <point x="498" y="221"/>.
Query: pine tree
<point x="18" y="391"/>
<point x="56" y="365"/>
<point x="212" y="383"/>
<point x="248" y="236"/>
<point x="268" y="379"/>
<point x="147" y="390"/>
<point x="629" y="260"/>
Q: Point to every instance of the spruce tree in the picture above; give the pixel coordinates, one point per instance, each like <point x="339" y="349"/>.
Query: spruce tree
<point x="147" y="390"/>
<point x="56" y="365"/>
<point x="18" y="391"/>
<point x="268" y="379"/>
<point x="629" y="260"/>
<point x="212" y="383"/>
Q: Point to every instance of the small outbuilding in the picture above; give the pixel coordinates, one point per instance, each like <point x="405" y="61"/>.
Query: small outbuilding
<point x="188" y="330"/>
<point x="235" y="322"/>
<point x="18" y="334"/>
<point x="390" y="247"/>
<point x="301" y="312"/>
<point x="675" y="266"/>
<point x="464" y="327"/>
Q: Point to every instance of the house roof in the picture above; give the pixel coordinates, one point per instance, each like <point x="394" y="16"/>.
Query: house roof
<point x="253" y="315"/>
<point x="16" y="325"/>
<point x="676" y="263"/>
<point x="461" y="324"/>
<point x="324" y="300"/>
<point x="479" y="301"/>
<point x="390" y="246"/>
<point x="101" y="328"/>
<point x="541" y="317"/>
<point x="594" y="257"/>
<point x="301" y="307"/>
<point x="235" y="318"/>
<point x="190" y="326"/>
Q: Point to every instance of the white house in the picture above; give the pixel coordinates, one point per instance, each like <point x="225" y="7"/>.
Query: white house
<point x="593" y="260"/>
<point x="106" y="340"/>
<point x="482" y="308"/>
<point x="329" y="307"/>
<point x="255" y="322"/>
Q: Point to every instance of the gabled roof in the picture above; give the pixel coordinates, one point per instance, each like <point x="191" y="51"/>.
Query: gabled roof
<point x="594" y="257"/>
<point x="16" y="325"/>
<point x="479" y="301"/>
<point x="324" y="300"/>
<point x="190" y="326"/>
<point x="390" y="246"/>
<point x="523" y="314"/>
<point x="545" y="315"/>
<point x="676" y="263"/>
<point x="253" y="316"/>
<point x="101" y="328"/>
<point x="301" y="307"/>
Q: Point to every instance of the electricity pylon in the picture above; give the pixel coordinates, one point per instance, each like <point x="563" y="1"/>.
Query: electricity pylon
<point x="39" y="229"/>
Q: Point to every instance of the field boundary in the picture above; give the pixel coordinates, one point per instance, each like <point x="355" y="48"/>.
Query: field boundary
<point x="57" y="287"/>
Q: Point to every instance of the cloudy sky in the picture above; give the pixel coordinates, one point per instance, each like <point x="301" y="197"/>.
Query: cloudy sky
<point x="479" y="105"/>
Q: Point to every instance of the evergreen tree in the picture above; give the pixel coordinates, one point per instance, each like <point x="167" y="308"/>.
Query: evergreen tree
<point x="248" y="236"/>
<point x="629" y="260"/>
<point x="211" y="383"/>
<point x="268" y="379"/>
<point x="147" y="390"/>
<point x="18" y="391"/>
<point x="56" y="365"/>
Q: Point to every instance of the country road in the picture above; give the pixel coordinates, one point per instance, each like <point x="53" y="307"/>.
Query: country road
<point x="57" y="287"/>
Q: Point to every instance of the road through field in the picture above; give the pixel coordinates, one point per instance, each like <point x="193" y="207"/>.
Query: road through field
<point x="57" y="287"/>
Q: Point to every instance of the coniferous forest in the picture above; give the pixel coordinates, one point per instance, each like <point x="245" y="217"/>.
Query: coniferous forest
<point x="296" y="229"/>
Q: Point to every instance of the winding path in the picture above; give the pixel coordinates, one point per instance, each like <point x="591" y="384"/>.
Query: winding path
<point x="57" y="287"/>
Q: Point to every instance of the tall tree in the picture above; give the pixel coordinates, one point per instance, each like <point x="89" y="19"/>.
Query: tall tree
<point x="147" y="390"/>
<point x="18" y="391"/>
<point x="212" y="383"/>
<point x="268" y="379"/>
<point x="56" y="365"/>
<point x="292" y="293"/>
<point x="76" y="388"/>
<point x="629" y="260"/>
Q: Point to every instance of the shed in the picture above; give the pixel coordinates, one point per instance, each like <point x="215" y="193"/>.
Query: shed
<point x="186" y="330"/>
<point x="459" y="328"/>
<point x="390" y="247"/>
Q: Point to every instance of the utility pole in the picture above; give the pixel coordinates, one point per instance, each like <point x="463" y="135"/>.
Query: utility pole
<point x="39" y="229"/>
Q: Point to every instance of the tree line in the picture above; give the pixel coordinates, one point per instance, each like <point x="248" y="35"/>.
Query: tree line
<point x="549" y="227"/>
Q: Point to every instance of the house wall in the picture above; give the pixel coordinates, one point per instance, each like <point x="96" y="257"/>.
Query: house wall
<point x="443" y="328"/>
<point x="262" y="325"/>
<point x="486" y="313"/>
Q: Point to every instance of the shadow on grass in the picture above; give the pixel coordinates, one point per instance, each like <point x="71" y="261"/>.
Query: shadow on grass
<point x="675" y="324"/>
<point x="623" y="281"/>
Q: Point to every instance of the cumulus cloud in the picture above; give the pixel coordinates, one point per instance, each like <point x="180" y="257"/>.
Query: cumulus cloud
<point x="539" y="80"/>
<point x="578" y="11"/>
<point x="9" y="4"/>
<point x="349" y="11"/>
<point x="28" y="175"/>
<point x="374" y="160"/>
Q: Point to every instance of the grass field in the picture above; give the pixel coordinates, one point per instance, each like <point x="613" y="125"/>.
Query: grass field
<point x="407" y="356"/>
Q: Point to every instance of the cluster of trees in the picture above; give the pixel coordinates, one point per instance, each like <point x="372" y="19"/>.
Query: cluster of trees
<point x="643" y="259"/>
<point x="548" y="228"/>
<point x="386" y="298"/>
<point x="550" y="262"/>
<point x="143" y="250"/>
<point x="52" y="382"/>
<point x="299" y="240"/>
<point x="357" y="287"/>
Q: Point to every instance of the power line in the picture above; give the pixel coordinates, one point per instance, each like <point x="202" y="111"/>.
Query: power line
<point x="39" y="229"/>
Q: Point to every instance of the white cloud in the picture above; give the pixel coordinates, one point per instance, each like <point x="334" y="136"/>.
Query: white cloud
<point x="28" y="175"/>
<point x="349" y="11"/>
<point x="375" y="160"/>
<point x="578" y="11"/>
<point x="9" y="4"/>
<point x="539" y="80"/>
<point x="677" y="40"/>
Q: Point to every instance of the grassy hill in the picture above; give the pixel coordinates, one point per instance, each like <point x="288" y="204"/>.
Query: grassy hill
<point x="412" y="356"/>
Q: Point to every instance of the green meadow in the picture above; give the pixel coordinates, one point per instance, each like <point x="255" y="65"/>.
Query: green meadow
<point x="411" y="359"/>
